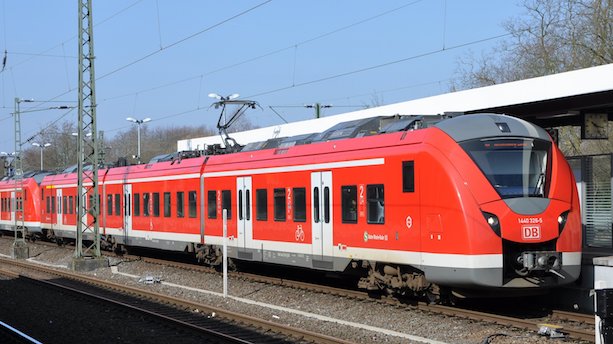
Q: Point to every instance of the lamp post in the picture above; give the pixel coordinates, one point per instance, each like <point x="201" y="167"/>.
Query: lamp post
<point x="41" y="146"/>
<point x="138" y="123"/>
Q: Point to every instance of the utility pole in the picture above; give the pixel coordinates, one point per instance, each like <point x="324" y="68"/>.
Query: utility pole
<point x="87" y="257"/>
<point x="317" y="107"/>
<point x="20" y="248"/>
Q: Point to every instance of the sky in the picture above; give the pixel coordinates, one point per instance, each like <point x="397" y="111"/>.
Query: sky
<point x="161" y="58"/>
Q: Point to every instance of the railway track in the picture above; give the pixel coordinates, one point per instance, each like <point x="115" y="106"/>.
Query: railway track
<point x="524" y="324"/>
<point x="229" y="326"/>
<point x="583" y="330"/>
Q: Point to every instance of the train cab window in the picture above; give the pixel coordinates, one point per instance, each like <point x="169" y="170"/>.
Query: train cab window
<point x="408" y="176"/>
<point x="226" y="202"/>
<point x="180" y="206"/>
<point x="166" y="204"/>
<point x="146" y="202"/>
<point x="349" y="204"/>
<point x="376" y="204"/>
<point x="117" y="204"/>
<point x="136" y="204"/>
<point x="156" y="204"/>
<point x="261" y="204"/>
<point x="109" y="204"/>
<point x="212" y="204"/>
<point x="299" y="204"/>
<point x="280" y="204"/>
<point x="192" y="204"/>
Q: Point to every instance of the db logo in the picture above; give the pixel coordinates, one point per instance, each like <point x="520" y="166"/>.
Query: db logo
<point x="532" y="232"/>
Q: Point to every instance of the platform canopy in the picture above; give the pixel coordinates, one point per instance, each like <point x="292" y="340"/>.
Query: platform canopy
<point x="549" y="101"/>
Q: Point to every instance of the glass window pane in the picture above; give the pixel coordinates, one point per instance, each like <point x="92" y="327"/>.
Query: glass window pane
<point x="156" y="204"/>
<point x="349" y="204"/>
<point x="280" y="204"/>
<point x="180" y="206"/>
<point x="117" y="204"/>
<point x="212" y="204"/>
<point x="261" y="204"/>
<point x="166" y="204"/>
<point x="226" y="202"/>
<point x="192" y="204"/>
<point x="136" y="204"/>
<point x="375" y="203"/>
<point x="299" y="204"/>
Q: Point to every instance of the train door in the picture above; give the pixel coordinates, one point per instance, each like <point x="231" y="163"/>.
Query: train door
<point x="245" y="224"/>
<point x="321" y="208"/>
<point x="58" y="194"/>
<point x="127" y="211"/>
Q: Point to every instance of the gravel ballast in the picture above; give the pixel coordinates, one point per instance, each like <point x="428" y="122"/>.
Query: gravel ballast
<point x="305" y="305"/>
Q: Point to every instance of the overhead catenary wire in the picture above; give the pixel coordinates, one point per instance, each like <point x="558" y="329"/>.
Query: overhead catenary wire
<point x="385" y="64"/>
<point x="279" y="50"/>
<point x="175" y="43"/>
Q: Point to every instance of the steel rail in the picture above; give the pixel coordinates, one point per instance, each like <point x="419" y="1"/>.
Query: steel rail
<point x="225" y="314"/>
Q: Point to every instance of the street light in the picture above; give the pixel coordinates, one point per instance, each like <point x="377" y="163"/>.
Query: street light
<point x="138" y="122"/>
<point x="41" y="146"/>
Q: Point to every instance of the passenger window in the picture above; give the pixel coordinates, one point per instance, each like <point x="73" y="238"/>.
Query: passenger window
<point x="376" y="204"/>
<point x="109" y="204"/>
<point x="146" y="204"/>
<point x="280" y="204"/>
<point x="180" y="207"/>
<point x="349" y="204"/>
<point x="71" y="204"/>
<point x="299" y="204"/>
<point x="136" y="204"/>
<point x="117" y="204"/>
<point x="192" y="204"/>
<point x="166" y="204"/>
<point x="408" y="176"/>
<point x="226" y="202"/>
<point x="261" y="204"/>
<point x="65" y="205"/>
<point x="212" y="204"/>
<point x="156" y="204"/>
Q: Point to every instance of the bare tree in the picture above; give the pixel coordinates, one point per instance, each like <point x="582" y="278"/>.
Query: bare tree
<point x="552" y="36"/>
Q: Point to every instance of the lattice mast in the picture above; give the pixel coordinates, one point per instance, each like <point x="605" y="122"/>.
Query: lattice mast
<point x="87" y="184"/>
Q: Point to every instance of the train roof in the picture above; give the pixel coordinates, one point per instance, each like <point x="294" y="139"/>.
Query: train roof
<point x="350" y="129"/>
<point x="490" y="125"/>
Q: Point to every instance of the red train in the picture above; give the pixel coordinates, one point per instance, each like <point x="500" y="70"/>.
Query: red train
<point x="14" y="204"/>
<point x="473" y="202"/>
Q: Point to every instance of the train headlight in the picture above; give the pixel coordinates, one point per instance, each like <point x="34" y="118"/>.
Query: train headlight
<point x="492" y="221"/>
<point x="562" y="221"/>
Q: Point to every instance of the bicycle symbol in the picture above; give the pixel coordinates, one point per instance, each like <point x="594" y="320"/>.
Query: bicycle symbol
<point x="299" y="233"/>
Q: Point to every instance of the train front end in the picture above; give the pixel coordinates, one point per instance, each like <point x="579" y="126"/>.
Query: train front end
<point x="526" y="195"/>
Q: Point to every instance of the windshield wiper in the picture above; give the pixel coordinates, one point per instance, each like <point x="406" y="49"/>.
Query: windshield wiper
<point x="538" y="185"/>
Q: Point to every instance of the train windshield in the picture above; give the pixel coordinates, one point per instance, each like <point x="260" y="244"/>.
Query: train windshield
<point x="516" y="167"/>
